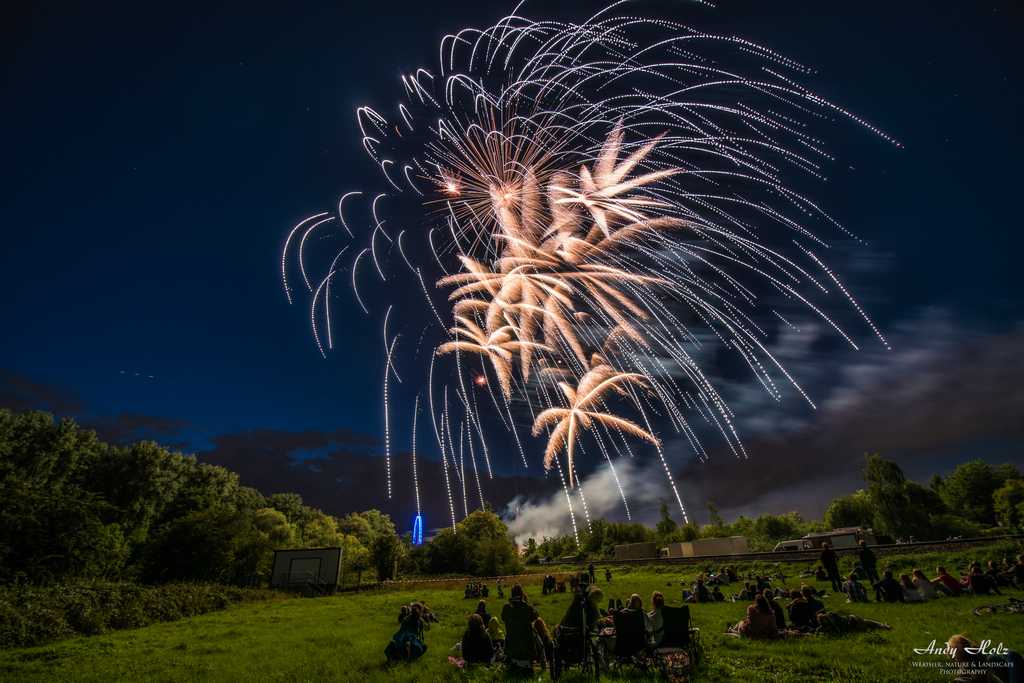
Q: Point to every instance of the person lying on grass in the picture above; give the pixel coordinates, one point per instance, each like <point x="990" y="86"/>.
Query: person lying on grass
<point x="834" y="623"/>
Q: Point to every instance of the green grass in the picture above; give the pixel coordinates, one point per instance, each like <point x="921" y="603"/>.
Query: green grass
<point x="343" y="638"/>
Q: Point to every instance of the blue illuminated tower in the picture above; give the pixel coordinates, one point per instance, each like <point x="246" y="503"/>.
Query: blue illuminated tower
<point x="417" y="531"/>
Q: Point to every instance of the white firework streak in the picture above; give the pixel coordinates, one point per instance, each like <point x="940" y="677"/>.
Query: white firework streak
<point x="599" y="201"/>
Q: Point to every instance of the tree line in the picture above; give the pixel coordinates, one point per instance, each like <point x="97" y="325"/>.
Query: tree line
<point x="73" y="507"/>
<point x="964" y="503"/>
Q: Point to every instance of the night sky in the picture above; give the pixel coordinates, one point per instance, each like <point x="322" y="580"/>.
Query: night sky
<point x="155" y="158"/>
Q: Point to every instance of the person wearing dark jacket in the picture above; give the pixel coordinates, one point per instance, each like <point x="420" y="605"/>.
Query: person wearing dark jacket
<point x="481" y="609"/>
<point x="811" y="596"/>
<point x="869" y="562"/>
<point x="888" y="589"/>
<point x="780" y="615"/>
<point x="801" y="616"/>
<point x="476" y="644"/>
<point x="831" y="564"/>
<point x="519" y="616"/>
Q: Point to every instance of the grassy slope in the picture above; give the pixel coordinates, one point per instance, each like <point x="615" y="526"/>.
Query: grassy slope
<point x="332" y="639"/>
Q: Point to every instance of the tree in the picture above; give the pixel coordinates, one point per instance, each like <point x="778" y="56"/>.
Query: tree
<point x="714" y="519"/>
<point x="666" y="525"/>
<point x="358" y="526"/>
<point x="380" y="525"/>
<point x="851" y="510"/>
<point x="35" y="452"/>
<point x="1009" y="503"/>
<point x="901" y="507"/>
<point x="274" y="525"/>
<point x="386" y="551"/>
<point x="321" y="532"/>
<point x="288" y="503"/>
<point x="449" y="552"/>
<point x="481" y="524"/>
<point x="219" y="545"/>
<point x="968" y="491"/>
<point x="46" y="534"/>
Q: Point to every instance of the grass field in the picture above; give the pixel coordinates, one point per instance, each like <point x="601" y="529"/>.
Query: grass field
<point x="343" y="638"/>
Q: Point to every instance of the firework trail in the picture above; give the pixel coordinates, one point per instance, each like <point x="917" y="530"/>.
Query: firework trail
<point x="596" y="201"/>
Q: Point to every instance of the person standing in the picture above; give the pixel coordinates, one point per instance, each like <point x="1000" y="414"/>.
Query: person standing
<point x="831" y="564"/>
<point x="591" y="570"/>
<point x="868" y="561"/>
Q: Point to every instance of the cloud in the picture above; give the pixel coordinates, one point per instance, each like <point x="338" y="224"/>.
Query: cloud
<point x="343" y="471"/>
<point x="918" y="404"/>
<point x="20" y="394"/>
<point x="125" y="429"/>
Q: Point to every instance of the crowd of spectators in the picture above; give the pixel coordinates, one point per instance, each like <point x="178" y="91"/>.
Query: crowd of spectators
<point x="526" y="641"/>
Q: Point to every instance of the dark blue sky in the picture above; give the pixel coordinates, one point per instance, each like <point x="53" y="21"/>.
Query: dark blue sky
<point x="155" y="157"/>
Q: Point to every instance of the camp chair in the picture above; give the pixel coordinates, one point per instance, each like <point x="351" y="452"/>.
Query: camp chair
<point x="574" y="647"/>
<point x="632" y="645"/>
<point x="679" y="635"/>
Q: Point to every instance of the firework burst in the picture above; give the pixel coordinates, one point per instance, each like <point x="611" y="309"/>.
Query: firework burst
<point x="599" y="198"/>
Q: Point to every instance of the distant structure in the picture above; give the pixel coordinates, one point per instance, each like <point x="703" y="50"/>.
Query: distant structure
<point x="417" y="531"/>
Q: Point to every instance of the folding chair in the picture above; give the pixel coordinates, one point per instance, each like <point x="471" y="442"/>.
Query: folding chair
<point x="679" y="635"/>
<point x="574" y="647"/>
<point x="632" y="645"/>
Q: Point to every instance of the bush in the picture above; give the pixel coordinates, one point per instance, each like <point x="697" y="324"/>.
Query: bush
<point x="32" y="615"/>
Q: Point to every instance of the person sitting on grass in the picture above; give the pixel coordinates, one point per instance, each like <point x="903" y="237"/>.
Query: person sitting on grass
<point x="995" y="574"/>
<point x="1012" y="571"/>
<point x="407" y="643"/>
<point x="723" y="577"/>
<point x="761" y="584"/>
<point x="910" y="592"/>
<point x="834" y="622"/>
<point x="819" y="574"/>
<point x="717" y="595"/>
<point x="811" y="596"/>
<point x="747" y="593"/>
<point x="973" y="665"/>
<point x="760" y="621"/>
<point x="946" y="583"/>
<point x="656" y="616"/>
<point x="519" y="615"/>
<point x="496" y="634"/>
<point x="888" y="589"/>
<point x="481" y="609"/>
<point x="801" y="618"/>
<point x="855" y="591"/>
<point x="699" y="594"/>
<point x="477" y="647"/>
<point x="547" y="646"/>
<point x="924" y="586"/>
<point x="979" y="583"/>
<point x="780" y="615"/>
<point x="425" y="612"/>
